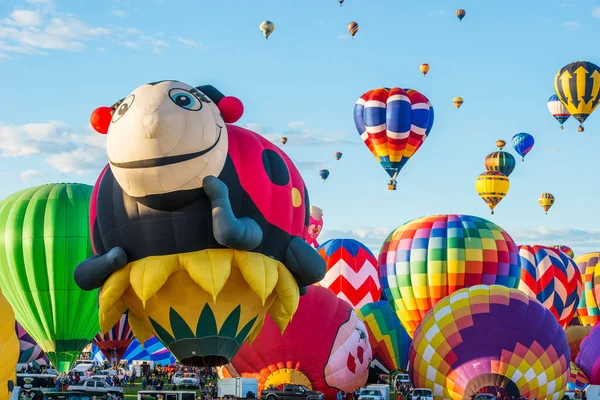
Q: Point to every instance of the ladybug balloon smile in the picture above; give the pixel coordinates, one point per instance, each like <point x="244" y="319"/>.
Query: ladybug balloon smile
<point x="197" y="224"/>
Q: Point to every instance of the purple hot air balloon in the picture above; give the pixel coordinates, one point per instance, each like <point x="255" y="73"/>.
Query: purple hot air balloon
<point x="29" y="349"/>
<point x="588" y="359"/>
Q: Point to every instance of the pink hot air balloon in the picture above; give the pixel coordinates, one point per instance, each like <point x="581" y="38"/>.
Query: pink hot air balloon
<point x="315" y="226"/>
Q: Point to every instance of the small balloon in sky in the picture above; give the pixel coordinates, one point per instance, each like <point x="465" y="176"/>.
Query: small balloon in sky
<point x="267" y="27"/>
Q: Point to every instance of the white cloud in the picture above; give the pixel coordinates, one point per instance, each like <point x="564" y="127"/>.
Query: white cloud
<point x="596" y="12"/>
<point x="438" y="12"/>
<point x="316" y="165"/>
<point x="33" y="175"/>
<point x="571" y="25"/>
<point x="192" y="43"/>
<point x="373" y="238"/>
<point x="580" y="240"/>
<point x="118" y="13"/>
<point x="64" y="149"/>
<point x="101" y="49"/>
<point x="130" y="44"/>
<point x="296" y="124"/>
<point x="258" y="128"/>
<point x="39" y="1"/>
<point x="24" y="18"/>
<point x="298" y="134"/>
<point x="344" y="37"/>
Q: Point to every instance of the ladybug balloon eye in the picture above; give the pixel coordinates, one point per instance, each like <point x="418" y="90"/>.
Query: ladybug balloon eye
<point x="123" y="108"/>
<point x="185" y="99"/>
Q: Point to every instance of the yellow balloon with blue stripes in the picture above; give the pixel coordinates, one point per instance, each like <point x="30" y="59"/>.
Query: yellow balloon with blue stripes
<point x="577" y="86"/>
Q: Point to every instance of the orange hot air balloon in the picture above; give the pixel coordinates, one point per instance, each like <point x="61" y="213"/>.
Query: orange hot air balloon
<point x="424" y="68"/>
<point x="500" y="144"/>
<point x="352" y="28"/>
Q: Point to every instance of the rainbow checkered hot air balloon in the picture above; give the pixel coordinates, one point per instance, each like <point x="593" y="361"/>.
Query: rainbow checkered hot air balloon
<point x="429" y="258"/>
<point x="553" y="278"/>
<point x="587" y="310"/>
<point x="351" y="271"/>
<point x="393" y="124"/>
<point x="490" y="337"/>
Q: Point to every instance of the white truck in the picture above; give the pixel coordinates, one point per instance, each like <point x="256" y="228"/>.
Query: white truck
<point x="592" y="392"/>
<point x="238" y="388"/>
<point x="371" y="393"/>
<point x="97" y="388"/>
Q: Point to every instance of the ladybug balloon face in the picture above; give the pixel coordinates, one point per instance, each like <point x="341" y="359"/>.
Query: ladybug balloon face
<point x="165" y="137"/>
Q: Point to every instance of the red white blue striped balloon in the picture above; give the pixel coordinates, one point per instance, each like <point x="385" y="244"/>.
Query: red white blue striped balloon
<point x="553" y="278"/>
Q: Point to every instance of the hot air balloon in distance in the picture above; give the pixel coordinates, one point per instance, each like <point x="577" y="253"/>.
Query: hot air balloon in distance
<point x="283" y="140"/>
<point x="424" y="69"/>
<point x="458" y="101"/>
<point x="565" y="249"/>
<point x="341" y="2"/>
<point x="40" y="221"/>
<point x="267" y="27"/>
<point x="335" y="357"/>
<point x="351" y="271"/>
<point x="553" y="278"/>
<point x="523" y="143"/>
<point x="352" y="28"/>
<point x="492" y="187"/>
<point x="29" y="350"/>
<point x="314" y="226"/>
<point x="587" y="310"/>
<point x="324" y="174"/>
<point x="558" y="110"/>
<point x="577" y="379"/>
<point x="577" y="86"/>
<point x="115" y="342"/>
<point x="588" y="359"/>
<point x="393" y="124"/>
<point x="500" y="144"/>
<point x="429" y="258"/>
<point x="500" y="161"/>
<point x="460" y="13"/>
<point x="9" y="349"/>
<point x="461" y="339"/>
<point x="194" y="249"/>
<point x="388" y="338"/>
<point x="546" y="200"/>
<point x="575" y="335"/>
<point x="337" y="155"/>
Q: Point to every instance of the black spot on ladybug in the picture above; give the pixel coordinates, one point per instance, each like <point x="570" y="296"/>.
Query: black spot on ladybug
<point x="306" y="208"/>
<point x="275" y="168"/>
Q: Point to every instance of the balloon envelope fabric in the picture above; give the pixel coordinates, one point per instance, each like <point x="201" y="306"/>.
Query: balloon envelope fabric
<point x="29" y="349"/>
<point x="588" y="358"/>
<point x="9" y="349"/>
<point x="46" y="234"/>
<point x="351" y="271"/>
<point x="429" y="258"/>
<point x="553" y="278"/>
<point x="153" y="350"/>
<point x="388" y="338"/>
<point x="490" y="336"/>
<point x="575" y="335"/>
<point x="587" y="310"/>
<point x="115" y="342"/>
<point x="577" y="379"/>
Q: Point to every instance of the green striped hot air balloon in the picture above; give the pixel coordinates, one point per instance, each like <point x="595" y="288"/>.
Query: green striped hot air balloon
<point x="46" y="234"/>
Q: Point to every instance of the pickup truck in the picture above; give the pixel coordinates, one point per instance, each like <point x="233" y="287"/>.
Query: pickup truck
<point x="291" y="392"/>
<point x="96" y="387"/>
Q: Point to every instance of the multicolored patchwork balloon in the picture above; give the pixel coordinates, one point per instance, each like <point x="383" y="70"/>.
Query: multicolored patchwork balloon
<point x="500" y="161"/>
<point x="152" y="350"/>
<point x="388" y="338"/>
<point x="565" y="249"/>
<point x="490" y="336"/>
<point x="351" y="271"/>
<point x="588" y="358"/>
<point x="115" y="342"/>
<point x="429" y="258"/>
<point x="30" y="351"/>
<point x="577" y="379"/>
<point x="587" y="310"/>
<point x="575" y="335"/>
<point x="553" y="278"/>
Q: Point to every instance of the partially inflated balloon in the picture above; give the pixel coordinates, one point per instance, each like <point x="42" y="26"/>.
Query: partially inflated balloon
<point x="351" y="271"/>
<point x="46" y="234"/>
<point x="9" y="349"/>
<point x="429" y="258"/>
<point x="30" y="351"/>
<point x="523" y="143"/>
<point x="115" y="342"/>
<point x="577" y="86"/>
<point x="587" y="310"/>
<point x="558" y="110"/>
<point x="315" y="225"/>
<point x="553" y="278"/>
<point x="565" y="249"/>
<point x="393" y="124"/>
<point x="388" y="338"/>
<point x="575" y="335"/>
<point x="577" y="379"/>
<point x="588" y="358"/>
<point x="490" y="337"/>
<point x="546" y="200"/>
<point x="492" y="187"/>
<point x="325" y="347"/>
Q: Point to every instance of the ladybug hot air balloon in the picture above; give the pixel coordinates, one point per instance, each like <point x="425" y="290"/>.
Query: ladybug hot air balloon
<point x="492" y="187"/>
<point x="393" y="124"/>
<point x="351" y="271"/>
<point x="429" y="258"/>
<point x="326" y="348"/>
<point x="115" y="342"/>
<point x="553" y="278"/>
<point x="546" y="200"/>
<point x="577" y="86"/>
<point x="523" y="143"/>
<point x="558" y="110"/>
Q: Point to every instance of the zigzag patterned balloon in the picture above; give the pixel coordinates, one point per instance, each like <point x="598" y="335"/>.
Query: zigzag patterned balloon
<point x="553" y="278"/>
<point x="351" y="271"/>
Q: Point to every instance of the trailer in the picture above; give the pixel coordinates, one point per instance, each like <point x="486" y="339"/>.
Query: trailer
<point x="239" y="388"/>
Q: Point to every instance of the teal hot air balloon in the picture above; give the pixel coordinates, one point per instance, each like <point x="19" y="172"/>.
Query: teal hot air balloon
<point x="46" y="234"/>
<point x="338" y="155"/>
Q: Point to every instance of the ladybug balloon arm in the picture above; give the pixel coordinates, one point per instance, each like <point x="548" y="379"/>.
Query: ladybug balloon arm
<point x="305" y="264"/>
<point x="237" y="233"/>
<point x="90" y="274"/>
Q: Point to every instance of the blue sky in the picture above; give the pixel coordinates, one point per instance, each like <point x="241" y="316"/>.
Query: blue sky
<point x="59" y="60"/>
